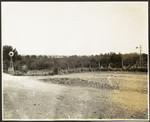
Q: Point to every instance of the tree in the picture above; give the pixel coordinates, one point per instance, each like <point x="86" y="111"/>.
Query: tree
<point x="73" y="61"/>
<point x="93" y="62"/>
<point x="116" y="60"/>
<point x="105" y="60"/>
<point x="6" y="50"/>
<point x="130" y="59"/>
<point x="83" y="61"/>
<point x="33" y="57"/>
<point x="15" y="55"/>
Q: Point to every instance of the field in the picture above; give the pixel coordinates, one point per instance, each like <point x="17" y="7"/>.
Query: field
<point x="90" y="95"/>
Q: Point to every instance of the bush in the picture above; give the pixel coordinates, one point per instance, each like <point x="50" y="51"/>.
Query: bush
<point x="55" y="70"/>
<point x="24" y="69"/>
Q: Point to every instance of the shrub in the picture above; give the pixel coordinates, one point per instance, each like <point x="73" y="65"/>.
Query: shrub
<point x="55" y="70"/>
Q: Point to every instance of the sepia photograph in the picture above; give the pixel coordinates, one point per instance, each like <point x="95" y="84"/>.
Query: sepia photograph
<point x="75" y="61"/>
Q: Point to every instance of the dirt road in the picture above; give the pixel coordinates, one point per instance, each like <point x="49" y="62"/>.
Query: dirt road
<point x="30" y="98"/>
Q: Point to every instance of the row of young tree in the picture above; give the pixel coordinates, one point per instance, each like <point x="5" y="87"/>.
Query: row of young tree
<point x="101" y="61"/>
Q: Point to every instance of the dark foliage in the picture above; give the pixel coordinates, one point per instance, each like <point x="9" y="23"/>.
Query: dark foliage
<point x="93" y="62"/>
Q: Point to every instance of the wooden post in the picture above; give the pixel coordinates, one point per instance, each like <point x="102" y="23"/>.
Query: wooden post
<point x="136" y="65"/>
<point x="82" y="66"/>
<point x="122" y="64"/>
<point x="90" y="67"/>
<point x="109" y="65"/>
<point x="99" y="67"/>
<point x="68" y="66"/>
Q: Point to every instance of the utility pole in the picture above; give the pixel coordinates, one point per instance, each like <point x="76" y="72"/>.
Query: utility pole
<point x="140" y="46"/>
<point x="140" y="54"/>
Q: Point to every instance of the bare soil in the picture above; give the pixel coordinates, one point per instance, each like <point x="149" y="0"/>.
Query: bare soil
<point x="91" y="95"/>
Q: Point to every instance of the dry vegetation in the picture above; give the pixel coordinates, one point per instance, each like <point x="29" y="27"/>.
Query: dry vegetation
<point x="91" y="95"/>
<point x="127" y="90"/>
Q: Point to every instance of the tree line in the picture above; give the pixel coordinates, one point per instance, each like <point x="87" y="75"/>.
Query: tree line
<point x="98" y="62"/>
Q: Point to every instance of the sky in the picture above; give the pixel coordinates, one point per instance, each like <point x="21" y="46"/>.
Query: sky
<point x="75" y="28"/>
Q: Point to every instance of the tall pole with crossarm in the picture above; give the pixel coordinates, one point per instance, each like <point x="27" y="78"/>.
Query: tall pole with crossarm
<point x="140" y="54"/>
<point x="140" y="46"/>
